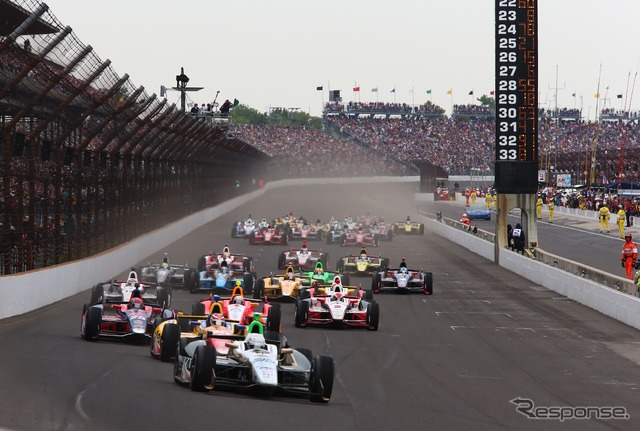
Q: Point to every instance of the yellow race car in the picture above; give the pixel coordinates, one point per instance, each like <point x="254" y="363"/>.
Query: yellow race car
<point x="285" y="287"/>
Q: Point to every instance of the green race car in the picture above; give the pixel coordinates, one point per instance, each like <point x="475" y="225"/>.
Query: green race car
<point x="323" y="277"/>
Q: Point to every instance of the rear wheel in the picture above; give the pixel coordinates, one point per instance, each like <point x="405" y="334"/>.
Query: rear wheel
<point x="368" y="295"/>
<point x="281" y="260"/>
<point x="247" y="264"/>
<point x="197" y="309"/>
<point x="248" y="283"/>
<point x="204" y="359"/>
<point x="252" y="238"/>
<point x="97" y="293"/>
<point x="385" y="263"/>
<point x="202" y="263"/>
<point x="163" y="297"/>
<point x="188" y="278"/>
<point x="169" y="341"/>
<point x="428" y="283"/>
<point x="307" y="353"/>
<point x="301" y="313"/>
<point x="421" y="229"/>
<point x="259" y="289"/>
<point x="346" y="279"/>
<point x="373" y="316"/>
<point x="376" y="283"/>
<point x="274" y="318"/>
<point x="321" y="379"/>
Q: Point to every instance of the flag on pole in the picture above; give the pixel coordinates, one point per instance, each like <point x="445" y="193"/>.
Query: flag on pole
<point x="428" y="91"/>
<point x="374" y="90"/>
<point x="573" y="95"/>
<point x="619" y="96"/>
<point x="471" y="93"/>
<point x="450" y="91"/>
<point x="319" y="88"/>
<point x="597" y="95"/>
<point x="393" y="91"/>
<point x="356" y="88"/>
<point x="492" y="92"/>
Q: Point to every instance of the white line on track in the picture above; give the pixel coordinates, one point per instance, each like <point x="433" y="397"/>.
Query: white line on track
<point x="78" y="405"/>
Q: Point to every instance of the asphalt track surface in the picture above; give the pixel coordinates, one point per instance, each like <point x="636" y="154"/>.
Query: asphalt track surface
<point x="451" y="361"/>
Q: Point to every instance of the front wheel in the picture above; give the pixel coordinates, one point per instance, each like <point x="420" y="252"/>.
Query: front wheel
<point x="428" y="283"/>
<point x="204" y="359"/>
<point x="321" y="379"/>
<point x="169" y="341"/>
<point x="274" y="318"/>
<point x="92" y="323"/>
<point x="259" y="289"/>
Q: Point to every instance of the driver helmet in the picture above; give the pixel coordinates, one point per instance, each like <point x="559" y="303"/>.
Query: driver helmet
<point x="464" y="214"/>
<point x="136" y="303"/>
<point x="363" y="252"/>
<point x="255" y="341"/>
<point x="165" y="259"/>
<point x="403" y="270"/>
<point x="304" y="247"/>
<point x="136" y="293"/>
<point x="408" y="219"/>
<point x="226" y="252"/>
<point x="264" y="221"/>
<point x="224" y="267"/>
<point x="238" y="300"/>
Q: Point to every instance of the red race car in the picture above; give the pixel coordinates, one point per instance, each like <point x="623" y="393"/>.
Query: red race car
<point x="269" y="235"/>
<point x="359" y="237"/>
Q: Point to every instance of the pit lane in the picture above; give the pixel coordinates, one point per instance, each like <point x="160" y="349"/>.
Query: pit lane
<point x="451" y="361"/>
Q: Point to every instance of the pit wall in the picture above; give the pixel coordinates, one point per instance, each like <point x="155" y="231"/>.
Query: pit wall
<point x="24" y="292"/>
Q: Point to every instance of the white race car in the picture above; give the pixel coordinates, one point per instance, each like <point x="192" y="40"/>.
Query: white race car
<point x="257" y="361"/>
<point x="121" y="290"/>
<point x="337" y="305"/>
<point x="403" y="280"/>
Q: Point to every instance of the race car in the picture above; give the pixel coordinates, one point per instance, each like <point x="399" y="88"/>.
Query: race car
<point x="285" y="287"/>
<point x="235" y="261"/>
<point x="133" y="319"/>
<point x="383" y="231"/>
<point x="223" y="278"/>
<point x="339" y="306"/>
<point x="334" y="236"/>
<point x="478" y="212"/>
<point x="243" y="228"/>
<point x="302" y="258"/>
<point x="237" y="309"/>
<point x="319" y="276"/>
<point x="359" y="236"/>
<point x="121" y="290"/>
<point x="269" y="235"/>
<point x="261" y="361"/>
<point x="305" y="231"/>
<point x="361" y="264"/>
<point x="234" y="313"/>
<point x="408" y="227"/>
<point x="166" y="274"/>
<point x="402" y="279"/>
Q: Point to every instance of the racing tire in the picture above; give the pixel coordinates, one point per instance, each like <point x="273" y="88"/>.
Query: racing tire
<point x="252" y="238"/>
<point x="247" y="264"/>
<point x="385" y="264"/>
<point x="204" y="359"/>
<point x="307" y="353"/>
<point x="340" y="266"/>
<point x="346" y="279"/>
<point x="202" y="263"/>
<point x="97" y="294"/>
<point x="373" y="316"/>
<point x="305" y="294"/>
<point x="169" y="341"/>
<point x="376" y="283"/>
<point x="196" y="283"/>
<point x="324" y="258"/>
<point x="376" y="240"/>
<point x="275" y="338"/>
<point x="259" y="289"/>
<point x="301" y="313"/>
<point x="163" y="297"/>
<point x="282" y="260"/>
<point x="188" y="279"/>
<point x="248" y="282"/>
<point x="322" y="371"/>
<point x="368" y="295"/>
<point x="197" y="309"/>
<point x="92" y="324"/>
<point x="274" y="318"/>
<point x="428" y="283"/>
<point x="421" y="229"/>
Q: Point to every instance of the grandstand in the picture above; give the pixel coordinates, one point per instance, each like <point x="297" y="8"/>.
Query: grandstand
<point x="89" y="160"/>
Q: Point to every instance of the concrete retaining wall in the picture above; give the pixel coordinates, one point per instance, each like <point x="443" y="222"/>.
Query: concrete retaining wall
<point x="24" y="292"/>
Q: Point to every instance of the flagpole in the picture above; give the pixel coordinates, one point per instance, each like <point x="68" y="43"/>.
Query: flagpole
<point x="377" y="93"/>
<point x="413" y="97"/>
<point x="394" y="93"/>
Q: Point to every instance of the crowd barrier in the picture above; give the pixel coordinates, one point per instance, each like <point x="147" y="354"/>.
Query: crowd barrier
<point x="24" y="292"/>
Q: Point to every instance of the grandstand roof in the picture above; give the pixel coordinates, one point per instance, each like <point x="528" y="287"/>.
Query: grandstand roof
<point x="13" y="15"/>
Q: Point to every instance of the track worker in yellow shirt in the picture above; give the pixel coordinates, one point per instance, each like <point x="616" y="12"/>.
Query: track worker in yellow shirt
<point x="603" y="215"/>
<point x="622" y="216"/>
